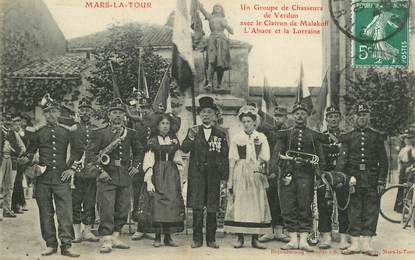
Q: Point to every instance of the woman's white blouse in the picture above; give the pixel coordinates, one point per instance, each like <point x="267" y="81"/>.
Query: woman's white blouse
<point x="249" y="140"/>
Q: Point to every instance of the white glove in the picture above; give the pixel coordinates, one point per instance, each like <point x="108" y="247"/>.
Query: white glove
<point x="352" y="181"/>
<point x="150" y="187"/>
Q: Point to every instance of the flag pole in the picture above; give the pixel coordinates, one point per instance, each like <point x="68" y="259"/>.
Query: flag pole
<point x="192" y="89"/>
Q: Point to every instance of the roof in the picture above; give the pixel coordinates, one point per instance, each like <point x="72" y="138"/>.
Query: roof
<point x="68" y="66"/>
<point x="153" y="35"/>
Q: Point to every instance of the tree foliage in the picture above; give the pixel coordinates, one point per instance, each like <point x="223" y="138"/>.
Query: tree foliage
<point x="22" y="94"/>
<point x="390" y="95"/>
<point x="123" y="52"/>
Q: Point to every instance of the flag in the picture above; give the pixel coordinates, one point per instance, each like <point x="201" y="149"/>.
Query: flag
<point x="115" y="88"/>
<point x="142" y="87"/>
<point x="266" y="97"/>
<point x="183" y="67"/>
<point x="303" y="92"/>
<point x="163" y="93"/>
<point x="323" y="102"/>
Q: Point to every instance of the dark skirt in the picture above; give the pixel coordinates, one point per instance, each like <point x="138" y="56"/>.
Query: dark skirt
<point x="163" y="210"/>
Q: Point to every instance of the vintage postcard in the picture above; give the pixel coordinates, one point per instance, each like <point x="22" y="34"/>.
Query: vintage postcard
<point x="205" y="129"/>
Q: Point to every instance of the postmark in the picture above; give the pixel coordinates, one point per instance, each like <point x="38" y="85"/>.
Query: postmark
<point x="378" y="29"/>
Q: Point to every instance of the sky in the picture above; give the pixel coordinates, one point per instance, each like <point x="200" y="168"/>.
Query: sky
<point x="275" y="57"/>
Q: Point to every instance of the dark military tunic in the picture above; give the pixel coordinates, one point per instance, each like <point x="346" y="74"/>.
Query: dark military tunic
<point x="363" y="155"/>
<point x="332" y="151"/>
<point x="114" y="196"/>
<point x="296" y="198"/>
<point x="52" y="142"/>
<point x="84" y="195"/>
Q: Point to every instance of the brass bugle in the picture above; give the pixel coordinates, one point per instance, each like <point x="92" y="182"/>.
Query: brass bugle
<point x="300" y="156"/>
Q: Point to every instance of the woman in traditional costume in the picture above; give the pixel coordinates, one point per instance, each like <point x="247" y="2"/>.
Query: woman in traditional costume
<point x="165" y="205"/>
<point x="248" y="210"/>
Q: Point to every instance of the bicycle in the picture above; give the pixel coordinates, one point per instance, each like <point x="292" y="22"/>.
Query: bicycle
<point x="407" y="217"/>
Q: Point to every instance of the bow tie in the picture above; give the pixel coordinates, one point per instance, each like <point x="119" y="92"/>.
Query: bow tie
<point x="206" y="127"/>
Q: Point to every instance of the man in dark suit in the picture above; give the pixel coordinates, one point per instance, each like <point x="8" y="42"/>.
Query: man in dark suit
<point x="208" y="167"/>
<point x="115" y="173"/>
<point x="363" y="158"/>
<point x="53" y="185"/>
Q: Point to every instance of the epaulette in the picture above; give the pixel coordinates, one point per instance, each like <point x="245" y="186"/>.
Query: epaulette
<point x="100" y="127"/>
<point x="35" y="128"/>
<point x="376" y="130"/>
<point x="72" y="128"/>
<point x="348" y="132"/>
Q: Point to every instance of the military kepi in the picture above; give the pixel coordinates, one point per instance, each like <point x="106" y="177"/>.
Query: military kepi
<point x="206" y="102"/>
<point x="362" y="108"/>
<point x="85" y="103"/>
<point x="280" y="111"/>
<point x="300" y="106"/>
<point x="332" y="110"/>
<point x="117" y="104"/>
<point x="48" y="103"/>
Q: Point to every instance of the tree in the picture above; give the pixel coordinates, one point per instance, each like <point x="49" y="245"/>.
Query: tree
<point x="123" y="52"/>
<point x="391" y="96"/>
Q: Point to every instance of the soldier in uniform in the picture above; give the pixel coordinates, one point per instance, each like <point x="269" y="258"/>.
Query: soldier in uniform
<point x="363" y="158"/>
<point x="84" y="194"/>
<point x="331" y="151"/>
<point x="280" y="117"/>
<point x="296" y="179"/>
<point x="115" y="153"/>
<point x="208" y="167"/>
<point x="53" y="190"/>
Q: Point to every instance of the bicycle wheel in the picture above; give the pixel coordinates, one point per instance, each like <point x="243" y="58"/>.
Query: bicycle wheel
<point x="387" y="202"/>
<point x="408" y="208"/>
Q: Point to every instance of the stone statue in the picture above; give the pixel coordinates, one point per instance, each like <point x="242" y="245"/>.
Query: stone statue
<point x="218" y="55"/>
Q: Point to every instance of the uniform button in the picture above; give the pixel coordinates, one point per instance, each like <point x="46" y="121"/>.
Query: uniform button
<point x="87" y="135"/>
<point x="300" y="139"/>
<point x="52" y="130"/>
<point x="54" y="161"/>
<point x="53" y="136"/>
<point x="363" y="154"/>
<point x="299" y="144"/>
<point x="53" y="142"/>
<point x="299" y="148"/>
<point x="120" y="153"/>
<point x="362" y="149"/>
<point x="363" y="160"/>
<point x="54" y="154"/>
<point x="362" y="143"/>
<point x="54" y="167"/>
<point x="301" y="130"/>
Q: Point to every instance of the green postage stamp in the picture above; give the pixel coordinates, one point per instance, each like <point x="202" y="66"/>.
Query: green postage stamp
<point x="382" y="30"/>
